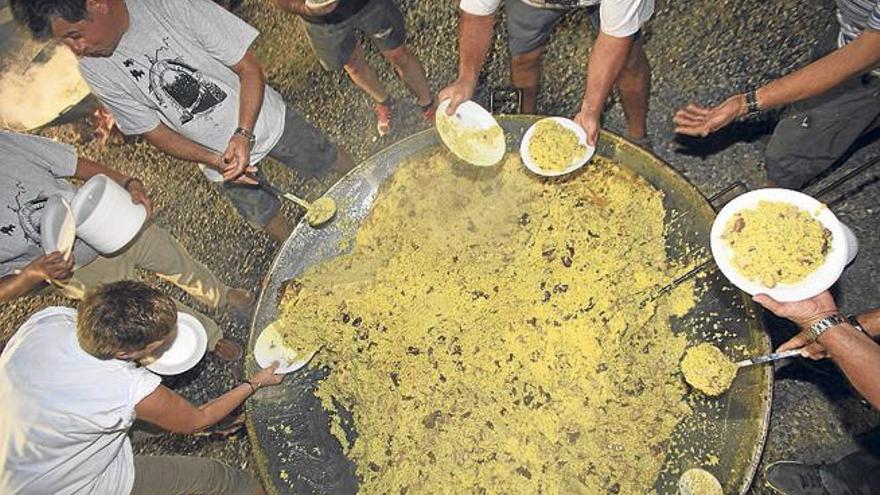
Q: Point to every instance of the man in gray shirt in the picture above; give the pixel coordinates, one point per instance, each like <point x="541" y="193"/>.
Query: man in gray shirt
<point x="829" y="104"/>
<point x="181" y="74"/>
<point x="34" y="169"/>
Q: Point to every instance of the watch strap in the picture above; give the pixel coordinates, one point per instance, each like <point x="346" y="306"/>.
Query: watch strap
<point x="752" y="103"/>
<point x="247" y="134"/>
<point x="820" y="327"/>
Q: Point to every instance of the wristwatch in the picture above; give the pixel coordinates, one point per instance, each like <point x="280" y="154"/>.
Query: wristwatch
<point x="247" y="134"/>
<point x="818" y="328"/>
<point x="752" y="104"/>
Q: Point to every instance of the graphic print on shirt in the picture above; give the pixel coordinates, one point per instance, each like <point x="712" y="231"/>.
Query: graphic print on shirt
<point x="176" y="83"/>
<point x="29" y="215"/>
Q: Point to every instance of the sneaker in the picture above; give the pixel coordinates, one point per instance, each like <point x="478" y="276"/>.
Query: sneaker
<point x="383" y="117"/>
<point x="795" y="478"/>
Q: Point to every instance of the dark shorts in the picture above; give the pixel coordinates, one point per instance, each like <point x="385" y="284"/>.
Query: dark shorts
<point x="301" y="148"/>
<point x="528" y="27"/>
<point x="813" y="135"/>
<point x="380" y="20"/>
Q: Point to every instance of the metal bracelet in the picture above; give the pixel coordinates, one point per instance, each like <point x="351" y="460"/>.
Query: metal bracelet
<point x="820" y="327"/>
<point x="247" y="134"/>
<point x="752" y="103"/>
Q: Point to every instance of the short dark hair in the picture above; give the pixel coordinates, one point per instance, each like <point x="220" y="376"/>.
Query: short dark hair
<point x="123" y="317"/>
<point x="37" y="15"/>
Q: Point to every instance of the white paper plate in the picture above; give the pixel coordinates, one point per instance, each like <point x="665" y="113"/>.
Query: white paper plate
<point x="843" y="245"/>
<point x="319" y="3"/>
<point x="58" y="227"/>
<point x="473" y="116"/>
<point x="186" y="351"/>
<point x="270" y="348"/>
<point x="575" y="163"/>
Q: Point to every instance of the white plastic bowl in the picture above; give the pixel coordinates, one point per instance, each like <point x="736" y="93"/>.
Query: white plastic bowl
<point x="576" y="163"/>
<point x="106" y="218"/>
<point x="58" y="227"/>
<point x="186" y="351"/>
<point x="844" y="245"/>
<point x="270" y="347"/>
<point x="471" y="115"/>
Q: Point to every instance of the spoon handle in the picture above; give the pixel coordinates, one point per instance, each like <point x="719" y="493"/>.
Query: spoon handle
<point x="262" y="182"/>
<point x="768" y="358"/>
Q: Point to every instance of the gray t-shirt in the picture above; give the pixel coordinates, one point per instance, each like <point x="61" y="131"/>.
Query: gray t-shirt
<point x="854" y="17"/>
<point x="33" y="170"/>
<point x="172" y="65"/>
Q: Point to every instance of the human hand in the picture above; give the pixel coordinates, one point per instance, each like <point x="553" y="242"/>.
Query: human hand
<point x="457" y="93"/>
<point x="320" y="11"/>
<point x="236" y="160"/>
<point x="809" y="349"/>
<point x="222" y="165"/>
<point x="694" y="120"/>
<point x="139" y="196"/>
<point x="589" y="121"/>
<point x="52" y="266"/>
<point x="266" y="377"/>
<point x="805" y="312"/>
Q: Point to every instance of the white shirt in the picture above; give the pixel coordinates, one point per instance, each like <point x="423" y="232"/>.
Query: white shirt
<point x="618" y="18"/>
<point x="64" y="414"/>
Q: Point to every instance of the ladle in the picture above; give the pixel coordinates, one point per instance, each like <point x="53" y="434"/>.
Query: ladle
<point x="317" y="213"/>
<point x="769" y="358"/>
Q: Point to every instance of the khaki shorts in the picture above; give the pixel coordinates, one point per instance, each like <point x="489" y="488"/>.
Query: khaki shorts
<point x="184" y="475"/>
<point x="380" y="20"/>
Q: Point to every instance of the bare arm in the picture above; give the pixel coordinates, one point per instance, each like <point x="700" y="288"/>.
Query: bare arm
<point x="253" y="86"/>
<point x="474" y="40"/>
<point x="859" y="56"/>
<point x="607" y="59"/>
<point x="857" y="355"/>
<point x="168" y="410"/>
<point x="237" y="158"/>
<point x="181" y="147"/>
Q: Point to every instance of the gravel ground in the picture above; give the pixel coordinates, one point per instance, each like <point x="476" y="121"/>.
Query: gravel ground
<point x="701" y="50"/>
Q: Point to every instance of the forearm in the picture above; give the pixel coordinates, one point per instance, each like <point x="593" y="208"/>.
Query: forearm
<point x="474" y="40"/>
<point x="861" y="55"/>
<point x="212" y="412"/>
<point x="253" y="86"/>
<point x="178" y="146"/>
<point x="86" y="169"/>
<point x="858" y="357"/>
<point x="607" y="59"/>
<point x="18" y="285"/>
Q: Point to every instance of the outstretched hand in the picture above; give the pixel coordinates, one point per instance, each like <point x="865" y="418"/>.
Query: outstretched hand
<point x="804" y="313"/>
<point x="694" y="120"/>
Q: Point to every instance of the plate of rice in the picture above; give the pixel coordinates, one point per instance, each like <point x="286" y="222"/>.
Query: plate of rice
<point x="555" y="146"/>
<point x="782" y="243"/>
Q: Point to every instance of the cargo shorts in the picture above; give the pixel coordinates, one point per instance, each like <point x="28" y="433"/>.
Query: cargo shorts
<point x="301" y="148"/>
<point x="815" y="134"/>
<point x="528" y="27"/>
<point x="380" y="20"/>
